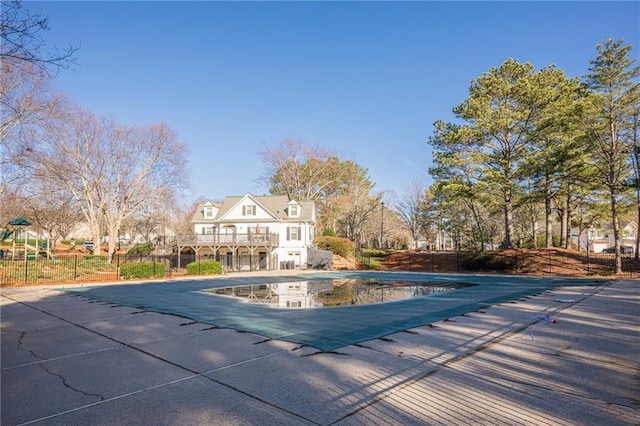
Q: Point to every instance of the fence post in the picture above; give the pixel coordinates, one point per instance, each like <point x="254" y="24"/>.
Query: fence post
<point x="26" y="266"/>
<point x="75" y="267"/>
<point x="588" y="264"/>
<point x="550" y="273"/>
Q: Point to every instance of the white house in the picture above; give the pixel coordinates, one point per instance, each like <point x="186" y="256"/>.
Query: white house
<point x="597" y="240"/>
<point x="252" y="232"/>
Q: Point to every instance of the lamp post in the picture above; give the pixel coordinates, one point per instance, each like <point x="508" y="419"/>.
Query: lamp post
<point x="381" y="224"/>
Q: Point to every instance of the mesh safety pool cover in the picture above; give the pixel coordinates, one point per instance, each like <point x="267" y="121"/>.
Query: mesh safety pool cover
<point x="327" y="328"/>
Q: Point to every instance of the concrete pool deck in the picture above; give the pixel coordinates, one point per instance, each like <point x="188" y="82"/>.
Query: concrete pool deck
<point x="70" y="360"/>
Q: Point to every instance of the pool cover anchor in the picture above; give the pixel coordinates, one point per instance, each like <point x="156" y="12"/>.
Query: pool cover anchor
<point x="540" y="320"/>
<point x="565" y="300"/>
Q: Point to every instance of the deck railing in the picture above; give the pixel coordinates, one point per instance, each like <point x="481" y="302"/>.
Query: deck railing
<point x="248" y="239"/>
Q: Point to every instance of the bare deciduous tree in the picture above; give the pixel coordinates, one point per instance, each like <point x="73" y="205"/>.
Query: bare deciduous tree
<point x="112" y="170"/>
<point x="53" y="211"/>
<point x="25" y="99"/>
<point x="22" y="40"/>
<point x="25" y="95"/>
<point x="354" y="202"/>
<point x="299" y="170"/>
<point x="411" y="209"/>
<point x="25" y="70"/>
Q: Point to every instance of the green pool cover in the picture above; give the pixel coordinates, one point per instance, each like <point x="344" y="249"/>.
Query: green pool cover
<point x="325" y="328"/>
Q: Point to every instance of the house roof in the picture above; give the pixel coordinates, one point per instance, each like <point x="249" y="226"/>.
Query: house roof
<point x="198" y="216"/>
<point x="276" y="205"/>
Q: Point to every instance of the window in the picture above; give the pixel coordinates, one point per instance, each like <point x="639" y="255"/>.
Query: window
<point x="258" y="229"/>
<point x="208" y="212"/>
<point x="293" y="211"/>
<point x="209" y="230"/>
<point x="249" y="210"/>
<point x="293" y="233"/>
<point x="294" y="304"/>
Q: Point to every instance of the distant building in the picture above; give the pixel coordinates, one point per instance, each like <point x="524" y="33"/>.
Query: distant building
<point x="597" y="240"/>
<point x="253" y="232"/>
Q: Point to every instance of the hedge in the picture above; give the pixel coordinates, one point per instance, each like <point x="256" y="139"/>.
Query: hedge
<point x="142" y="270"/>
<point x="340" y="246"/>
<point x="143" y="249"/>
<point x="204" y="267"/>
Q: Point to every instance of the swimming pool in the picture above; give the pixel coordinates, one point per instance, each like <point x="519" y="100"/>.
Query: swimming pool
<point x="325" y="329"/>
<point x="331" y="293"/>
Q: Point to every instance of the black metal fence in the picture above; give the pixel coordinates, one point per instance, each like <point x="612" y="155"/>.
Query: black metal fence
<point x="80" y="268"/>
<point x="18" y="270"/>
<point x="42" y="270"/>
<point x="535" y="262"/>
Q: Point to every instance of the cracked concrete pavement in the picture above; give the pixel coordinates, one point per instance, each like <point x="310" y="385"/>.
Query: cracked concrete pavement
<point x="69" y="360"/>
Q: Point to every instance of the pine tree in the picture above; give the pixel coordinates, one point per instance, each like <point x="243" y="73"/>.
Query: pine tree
<point x="615" y="94"/>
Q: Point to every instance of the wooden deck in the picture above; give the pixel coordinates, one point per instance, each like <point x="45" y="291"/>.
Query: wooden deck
<point x="228" y="240"/>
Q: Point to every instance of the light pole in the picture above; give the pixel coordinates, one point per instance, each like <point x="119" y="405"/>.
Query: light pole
<point x="381" y="224"/>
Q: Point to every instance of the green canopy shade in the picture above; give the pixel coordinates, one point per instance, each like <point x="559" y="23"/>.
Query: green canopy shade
<point x="20" y="221"/>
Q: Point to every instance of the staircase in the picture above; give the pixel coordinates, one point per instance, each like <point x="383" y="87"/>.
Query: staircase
<point x="340" y="263"/>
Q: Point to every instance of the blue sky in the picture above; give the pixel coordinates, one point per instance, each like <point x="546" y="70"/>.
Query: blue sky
<point x="366" y="79"/>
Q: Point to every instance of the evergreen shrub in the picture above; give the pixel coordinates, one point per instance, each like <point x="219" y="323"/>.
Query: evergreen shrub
<point x="340" y="246"/>
<point x="144" y="249"/>
<point x="143" y="270"/>
<point x="204" y="267"/>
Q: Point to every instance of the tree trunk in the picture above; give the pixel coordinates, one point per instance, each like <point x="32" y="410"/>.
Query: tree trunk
<point x="548" y="231"/>
<point x="113" y="236"/>
<point x="96" y="243"/>
<point x="638" y="231"/>
<point x="566" y="221"/>
<point x="564" y="228"/>
<point x="476" y="218"/>
<point x="616" y="231"/>
<point x="508" y="221"/>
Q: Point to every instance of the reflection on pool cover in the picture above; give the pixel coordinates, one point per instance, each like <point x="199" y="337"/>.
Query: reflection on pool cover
<point x="333" y="293"/>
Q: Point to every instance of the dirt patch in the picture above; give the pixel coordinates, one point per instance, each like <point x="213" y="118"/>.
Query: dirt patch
<point x="553" y="261"/>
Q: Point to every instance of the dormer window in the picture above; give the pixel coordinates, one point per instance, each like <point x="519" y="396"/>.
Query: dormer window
<point x="249" y="210"/>
<point x="208" y="212"/>
<point x="293" y="209"/>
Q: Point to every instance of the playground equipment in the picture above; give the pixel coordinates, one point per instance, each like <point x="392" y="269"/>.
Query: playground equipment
<point x="5" y="233"/>
<point x="26" y="245"/>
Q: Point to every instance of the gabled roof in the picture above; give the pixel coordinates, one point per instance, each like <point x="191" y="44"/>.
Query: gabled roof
<point x="198" y="216"/>
<point x="231" y="202"/>
<point x="274" y="205"/>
